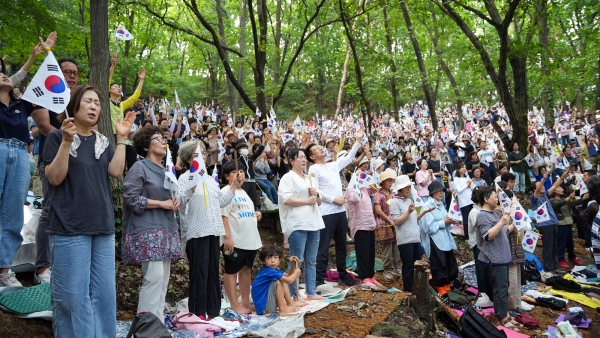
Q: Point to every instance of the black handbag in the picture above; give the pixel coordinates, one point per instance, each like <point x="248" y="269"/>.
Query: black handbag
<point x="532" y="273"/>
<point x="147" y="325"/>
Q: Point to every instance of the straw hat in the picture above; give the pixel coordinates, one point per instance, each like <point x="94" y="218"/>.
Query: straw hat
<point x="388" y="173"/>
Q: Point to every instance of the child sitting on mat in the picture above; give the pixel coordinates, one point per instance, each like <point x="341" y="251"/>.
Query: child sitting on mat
<point x="270" y="288"/>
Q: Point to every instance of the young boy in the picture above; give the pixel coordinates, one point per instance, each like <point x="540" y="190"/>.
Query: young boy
<point x="241" y="241"/>
<point x="270" y="288"/>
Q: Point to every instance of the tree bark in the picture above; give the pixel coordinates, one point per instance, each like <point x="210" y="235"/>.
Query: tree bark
<point x="388" y="41"/>
<point x="277" y="40"/>
<point x="429" y="97"/>
<point x="240" y="76"/>
<point x="126" y="55"/>
<point x="357" y="69"/>
<point x="230" y="88"/>
<point x="338" y="106"/>
<point x="543" y="33"/>
<point x="597" y="93"/>
<point x="259" y="35"/>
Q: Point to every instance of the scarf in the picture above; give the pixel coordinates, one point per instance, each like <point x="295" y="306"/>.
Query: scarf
<point x="99" y="147"/>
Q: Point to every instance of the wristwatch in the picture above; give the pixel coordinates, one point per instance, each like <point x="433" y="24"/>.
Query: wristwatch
<point x="318" y="196"/>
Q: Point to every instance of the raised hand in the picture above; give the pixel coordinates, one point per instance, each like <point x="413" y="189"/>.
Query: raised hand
<point x="50" y="41"/>
<point x="122" y="127"/>
<point x="142" y="74"/>
<point x="114" y="59"/>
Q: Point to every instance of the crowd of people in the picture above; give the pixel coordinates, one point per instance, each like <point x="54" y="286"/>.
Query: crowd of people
<point x="330" y="178"/>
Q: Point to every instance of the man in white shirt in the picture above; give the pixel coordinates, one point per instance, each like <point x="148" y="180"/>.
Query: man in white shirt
<point x="486" y="157"/>
<point x="328" y="184"/>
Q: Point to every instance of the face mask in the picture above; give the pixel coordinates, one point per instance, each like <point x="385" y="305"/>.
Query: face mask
<point x="244" y="152"/>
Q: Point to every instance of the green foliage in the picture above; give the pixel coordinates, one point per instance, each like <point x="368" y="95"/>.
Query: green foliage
<point x="180" y="61"/>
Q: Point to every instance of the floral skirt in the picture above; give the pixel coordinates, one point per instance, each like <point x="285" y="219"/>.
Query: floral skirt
<point x="150" y="245"/>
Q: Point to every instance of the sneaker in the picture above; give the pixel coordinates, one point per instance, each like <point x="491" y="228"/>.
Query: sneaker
<point x="367" y="284"/>
<point x="374" y="281"/>
<point x="561" y="271"/>
<point x="484" y="301"/>
<point x="576" y="262"/>
<point x="526" y="306"/>
<point x="346" y="281"/>
<point x="397" y="272"/>
<point x="563" y="265"/>
<point x="9" y="279"/>
<point x="387" y="274"/>
<point x="44" y="278"/>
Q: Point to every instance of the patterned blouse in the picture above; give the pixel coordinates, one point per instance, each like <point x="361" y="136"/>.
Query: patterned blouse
<point x="382" y="200"/>
<point x="200" y="216"/>
<point x="148" y="234"/>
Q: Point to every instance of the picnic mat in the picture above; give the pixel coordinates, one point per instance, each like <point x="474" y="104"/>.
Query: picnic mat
<point x="576" y="297"/>
<point x="510" y="333"/>
<point x="26" y="300"/>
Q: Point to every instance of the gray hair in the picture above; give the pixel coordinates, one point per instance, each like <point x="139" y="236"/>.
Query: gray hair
<point x="187" y="149"/>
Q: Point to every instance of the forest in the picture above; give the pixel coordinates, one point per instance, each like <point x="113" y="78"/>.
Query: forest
<point x="317" y="56"/>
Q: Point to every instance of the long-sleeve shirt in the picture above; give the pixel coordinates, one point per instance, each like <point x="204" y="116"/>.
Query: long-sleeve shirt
<point x="261" y="169"/>
<point x="537" y="202"/>
<point x="360" y="210"/>
<point x="148" y="234"/>
<point x="304" y="217"/>
<point x="562" y="208"/>
<point x="462" y="191"/>
<point x="328" y="183"/>
<point x="200" y="211"/>
<point x="472" y="223"/>
<point x="432" y="226"/>
<point x="117" y="109"/>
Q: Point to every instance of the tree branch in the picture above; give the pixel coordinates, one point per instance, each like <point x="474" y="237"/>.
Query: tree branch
<point x="478" y="13"/>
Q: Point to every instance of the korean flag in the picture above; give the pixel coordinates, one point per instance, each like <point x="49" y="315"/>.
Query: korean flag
<point x="48" y="87"/>
<point x="530" y="241"/>
<point x="123" y="34"/>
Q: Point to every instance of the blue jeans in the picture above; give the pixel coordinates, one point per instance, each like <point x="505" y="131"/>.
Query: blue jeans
<point x="269" y="189"/>
<point x="520" y="182"/>
<point x="305" y="244"/>
<point x="84" y="302"/>
<point x="14" y="183"/>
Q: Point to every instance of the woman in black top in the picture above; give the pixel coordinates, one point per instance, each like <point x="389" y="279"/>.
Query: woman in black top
<point x="409" y="167"/>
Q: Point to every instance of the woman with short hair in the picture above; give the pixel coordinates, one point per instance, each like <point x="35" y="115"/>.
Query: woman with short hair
<point x="150" y="230"/>
<point x="201" y="227"/>
<point x="79" y="161"/>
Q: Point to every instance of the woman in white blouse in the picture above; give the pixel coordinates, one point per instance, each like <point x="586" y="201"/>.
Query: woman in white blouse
<point x="201" y="228"/>
<point x="301" y="219"/>
<point x="462" y="187"/>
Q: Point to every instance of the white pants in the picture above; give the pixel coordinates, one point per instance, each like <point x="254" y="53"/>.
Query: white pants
<point x="154" y="287"/>
<point x="514" y="286"/>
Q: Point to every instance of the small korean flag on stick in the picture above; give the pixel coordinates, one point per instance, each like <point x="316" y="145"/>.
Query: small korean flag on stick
<point x="353" y="185"/>
<point x="454" y="211"/>
<point x="541" y="213"/>
<point x="198" y="171"/>
<point x="519" y="216"/>
<point x="123" y="34"/>
<point x="530" y="241"/>
<point x="215" y="175"/>
<point x="363" y="179"/>
<point x="587" y="165"/>
<point x="48" y="87"/>
<point x="258" y="112"/>
<point x="582" y="187"/>
<point x="504" y="200"/>
<point x="170" y="175"/>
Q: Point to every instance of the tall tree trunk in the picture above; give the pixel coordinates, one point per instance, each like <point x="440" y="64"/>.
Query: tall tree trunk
<point x="259" y="34"/>
<point x="277" y="38"/>
<point x="543" y="33"/>
<point x="597" y="93"/>
<point x="126" y="55"/>
<point x="83" y="25"/>
<point x="388" y="41"/>
<point x="446" y="69"/>
<point x="99" y="64"/>
<point x="423" y="71"/>
<point x="357" y="69"/>
<point x="240" y="76"/>
<point x="230" y="88"/>
<point x="338" y="106"/>
<point x="182" y="63"/>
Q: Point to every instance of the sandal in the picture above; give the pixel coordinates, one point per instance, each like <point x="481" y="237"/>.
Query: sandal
<point x="509" y="325"/>
<point x="515" y="323"/>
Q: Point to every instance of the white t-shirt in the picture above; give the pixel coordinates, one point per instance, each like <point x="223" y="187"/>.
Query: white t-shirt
<point x="243" y="226"/>
<point x="486" y="156"/>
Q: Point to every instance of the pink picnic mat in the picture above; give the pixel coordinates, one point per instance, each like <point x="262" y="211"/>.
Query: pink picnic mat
<point x="510" y="333"/>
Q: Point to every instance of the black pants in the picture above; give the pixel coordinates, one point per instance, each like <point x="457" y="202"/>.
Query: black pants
<point x="444" y="268"/>
<point x="499" y="284"/>
<point x="564" y="239"/>
<point x="465" y="216"/>
<point x="409" y="253"/>
<point x="336" y="226"/>
<point x="205" y="293"/>
<point x="483" y="275"/>
<point x="364" y="245"/>
<point x="549" y="251"/>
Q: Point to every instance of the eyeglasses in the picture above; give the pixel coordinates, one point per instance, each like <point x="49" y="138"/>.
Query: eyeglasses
<point x="159" y="139"/>
<point x="70" y="73"/>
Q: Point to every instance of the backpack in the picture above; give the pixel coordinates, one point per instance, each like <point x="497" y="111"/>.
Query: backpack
<point x="147" y="325"/>
<point x="473" y="325"/>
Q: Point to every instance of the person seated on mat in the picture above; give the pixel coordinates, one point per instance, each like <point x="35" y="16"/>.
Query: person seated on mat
<point x="270" y="289"/>
<point x="241" y="240"/>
